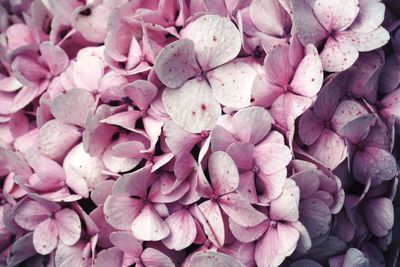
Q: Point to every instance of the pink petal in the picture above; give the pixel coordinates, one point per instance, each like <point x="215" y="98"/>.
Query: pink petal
<point x="310" y="127"/>
<point x="72" y="106"/>
<point x="141" y="92"/>
<point x="176" y="63"/>
<point x="370" y="17"/>
<point x="30" y="214"/>
<point x="216" y="40"/>
<point x="267" y="248"/>
<point x="149" y="226"/>
<point x="133" y="184"/>
<point x="277" y="65"/>
<point x="45" y="237"/>
<point x="288" y="236"/>
<point x="286" y="206"/>
<point x="248" y="234"/>
<point x="109" y="257"/>
<point x="120" y="211"/>
<point x="308" y="78"/>
<point x="242" y="155"/>
<point x="211" y="258"/>
<point x="221" y="139"/>
<point x="258" y="124"/>
<point x="69" y="226"/>
<point x="211" y="219"/>
<point x="337" y="56"/>
<point x="223" y="173"/>
<point x="101" y="192"/>
<point x="57" y="138"/>
<point x="329" y="149"/>
<point x="240" y="210"/>
<point x="345" y="112"/>
<point x="56" y="59"/>
<point x="183" y="230"/>
<point x="268" y="160"/>
<point x="122" y="156"/>
<point x="192" y="106"/>
<point x="87" y="72"/>
<point x="91" y="22"/>
<point x="127" y="243"/>
<point x="46" y="168"/>
<point x="272" y="184"/>
<point x="178" y="140"/>
<point x="279" y="19"/>
<point x="152" y="257"/>
<point x="125" y="119"/>
<point x="27" y="71"/>
<point x="336" y="15"/>
<point x="70" y="255"/>
<point x="364" y="42"/>
<point x="78" y="162"/>
<point x="310" y="31"/>
<point x="232" y="84"/>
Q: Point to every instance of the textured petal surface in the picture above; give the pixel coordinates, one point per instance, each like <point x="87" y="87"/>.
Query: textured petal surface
<point x="45" y="237"/>
<point x="149" y="226"/>
<point x="183" y="230"/>
<point x="211" y="258"/>
<point x="69" y="226"/>
<point x="176" y="63"/>
<point x="216" y="40"/>
<point x="72" y="107"/>
<point x="192" y="106"/>
<point x="223" y="173"/>
<point x="232" y="84"/>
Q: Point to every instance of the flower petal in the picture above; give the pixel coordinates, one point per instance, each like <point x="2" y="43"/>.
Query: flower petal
<point x="192" y="106"/>
<point x="176" y="63"/>
<point x="149" y="226"/>
<point x="216" y="40"/>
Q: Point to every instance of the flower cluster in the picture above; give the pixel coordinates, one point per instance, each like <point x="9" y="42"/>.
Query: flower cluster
<point x="199" y="133"/>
